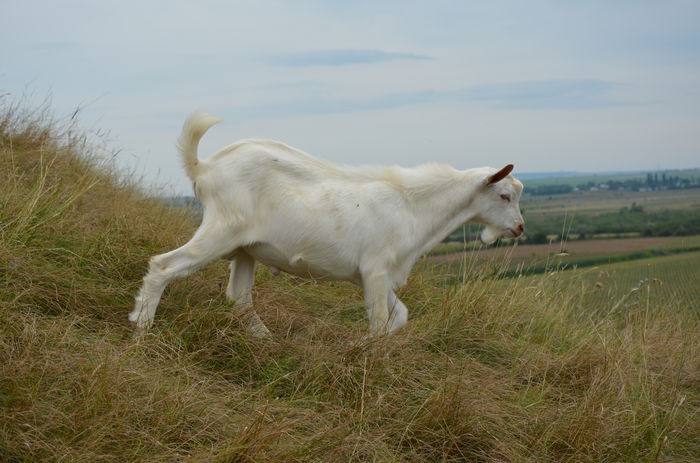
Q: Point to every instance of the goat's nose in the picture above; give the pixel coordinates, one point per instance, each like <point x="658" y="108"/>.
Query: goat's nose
<point x="521" y="227"/>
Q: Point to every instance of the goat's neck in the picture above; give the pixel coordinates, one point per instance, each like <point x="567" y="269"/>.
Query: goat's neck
<point x="444" y="208"/>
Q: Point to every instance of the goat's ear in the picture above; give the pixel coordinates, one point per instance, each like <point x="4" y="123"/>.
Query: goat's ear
<point x="500" y="175"/>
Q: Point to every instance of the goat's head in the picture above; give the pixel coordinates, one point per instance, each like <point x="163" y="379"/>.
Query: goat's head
<point x="499" y="205"/>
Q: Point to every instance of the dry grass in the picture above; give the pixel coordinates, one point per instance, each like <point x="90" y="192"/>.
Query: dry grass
<point x="484" y="372"/>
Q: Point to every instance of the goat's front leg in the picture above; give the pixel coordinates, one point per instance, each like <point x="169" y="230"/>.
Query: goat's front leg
<point x="239" y="290"/>
<point x="376" y="290"/>
<point x="398" y="313"/>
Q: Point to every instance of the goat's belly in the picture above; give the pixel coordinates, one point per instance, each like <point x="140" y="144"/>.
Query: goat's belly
<point x="304" y="265"/>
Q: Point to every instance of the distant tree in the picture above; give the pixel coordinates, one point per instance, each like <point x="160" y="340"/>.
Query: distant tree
<point x="539" y="237"/>
<point x="545" y="190"/>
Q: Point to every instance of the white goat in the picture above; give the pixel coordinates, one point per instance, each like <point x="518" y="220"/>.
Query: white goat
<point x="266" y="201"/>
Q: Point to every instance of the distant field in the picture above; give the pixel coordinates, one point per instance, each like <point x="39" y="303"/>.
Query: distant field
<point x="600" y="214"/>
<point x="599" y="202"/>
<point x="560" y="253"/>
<point x="669" y="280"/>
<point x="602" y="178"/>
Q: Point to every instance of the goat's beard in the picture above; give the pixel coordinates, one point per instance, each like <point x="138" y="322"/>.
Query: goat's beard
<point x="489" y="235"/>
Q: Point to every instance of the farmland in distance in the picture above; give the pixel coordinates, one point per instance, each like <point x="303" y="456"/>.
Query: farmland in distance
<point x="669" y="280"/>
<point x="653" y="283"/>
<point x="537" y="258"/>
<point x="599" y="202"/>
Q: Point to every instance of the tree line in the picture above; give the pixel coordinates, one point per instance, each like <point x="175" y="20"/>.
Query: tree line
<point x="652" y="182"/>
<point x="632" y="219"/>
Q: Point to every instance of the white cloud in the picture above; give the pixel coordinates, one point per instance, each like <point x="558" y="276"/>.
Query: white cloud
<point x="343" y="57"/>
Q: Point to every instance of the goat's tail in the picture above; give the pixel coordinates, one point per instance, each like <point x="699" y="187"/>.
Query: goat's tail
<point x="192" y="131"/>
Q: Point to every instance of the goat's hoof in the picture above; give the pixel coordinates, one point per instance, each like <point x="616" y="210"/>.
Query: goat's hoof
<point x="141" y="321"/>
<point x="260" y="331"/>
<point x="257" y="328"/>
<point x="138" y="334"/>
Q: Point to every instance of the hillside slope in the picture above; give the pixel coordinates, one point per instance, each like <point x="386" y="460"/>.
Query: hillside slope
<point x="487" y="370"/>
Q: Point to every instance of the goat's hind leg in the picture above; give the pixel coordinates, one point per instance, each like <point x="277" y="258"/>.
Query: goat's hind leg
<point x="206" y="245"/>
<point x="239" y="288"/>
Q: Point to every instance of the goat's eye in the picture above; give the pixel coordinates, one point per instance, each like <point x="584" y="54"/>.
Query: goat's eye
<point x="505" y="198"/>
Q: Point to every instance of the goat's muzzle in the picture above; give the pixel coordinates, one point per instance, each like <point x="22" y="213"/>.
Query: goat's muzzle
<point x="517" y="231"/>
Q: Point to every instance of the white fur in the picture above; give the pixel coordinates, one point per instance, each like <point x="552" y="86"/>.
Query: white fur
<point x="268" y="202"/>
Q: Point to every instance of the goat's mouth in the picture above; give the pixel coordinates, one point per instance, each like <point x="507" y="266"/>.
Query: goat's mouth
<point x="514" y="233"/>
<point x="490" y="235"/>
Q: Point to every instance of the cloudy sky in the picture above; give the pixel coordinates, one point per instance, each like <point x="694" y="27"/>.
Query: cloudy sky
<point x="547" y="85"/>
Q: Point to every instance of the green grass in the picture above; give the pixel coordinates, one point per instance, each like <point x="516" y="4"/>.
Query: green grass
<point x="489" y="370"/>
<point x="670" y="280"/>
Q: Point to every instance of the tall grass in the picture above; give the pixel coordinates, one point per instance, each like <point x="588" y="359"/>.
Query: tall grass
<point x="487" y="370"/>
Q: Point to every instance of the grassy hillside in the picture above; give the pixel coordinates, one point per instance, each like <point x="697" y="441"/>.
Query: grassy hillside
<point x="487" y="370"/>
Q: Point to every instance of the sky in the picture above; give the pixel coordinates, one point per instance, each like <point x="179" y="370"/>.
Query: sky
<point x="546" y="85"/>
